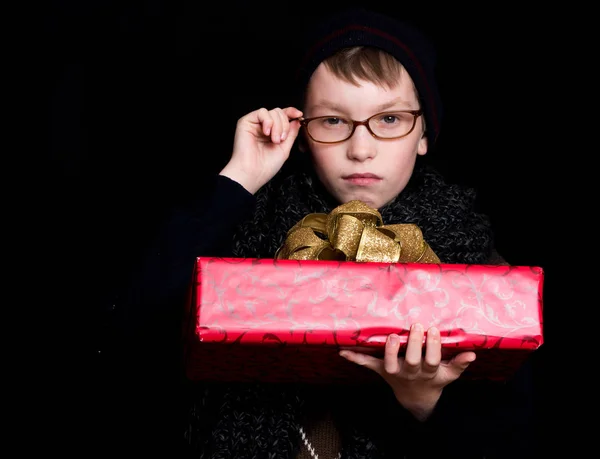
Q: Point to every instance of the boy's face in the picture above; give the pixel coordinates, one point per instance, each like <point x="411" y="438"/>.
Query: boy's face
<point x="391" y="162"/>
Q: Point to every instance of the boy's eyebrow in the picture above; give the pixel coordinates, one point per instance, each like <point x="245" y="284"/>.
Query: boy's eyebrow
<point x="394" y="102"/>
<point x="340" y="109"/>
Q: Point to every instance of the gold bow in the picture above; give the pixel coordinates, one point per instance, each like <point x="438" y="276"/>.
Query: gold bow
<point x="355" y="232"/>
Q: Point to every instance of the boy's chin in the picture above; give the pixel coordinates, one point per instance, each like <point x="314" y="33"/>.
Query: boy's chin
<point x="368" y="201"/>
<point x="370" y="198"/>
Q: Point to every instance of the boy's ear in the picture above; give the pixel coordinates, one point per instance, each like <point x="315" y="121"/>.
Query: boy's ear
<point x="302" y="145"/>
<point x="422" y="146"/>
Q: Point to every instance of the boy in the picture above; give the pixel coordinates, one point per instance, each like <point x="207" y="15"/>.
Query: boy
<point x="364" y="128"/>
<point x="369" y="114"/>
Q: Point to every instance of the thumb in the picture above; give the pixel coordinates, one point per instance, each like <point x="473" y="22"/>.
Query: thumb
<point x="461" y="361"/>
<point x="364" y="360"/>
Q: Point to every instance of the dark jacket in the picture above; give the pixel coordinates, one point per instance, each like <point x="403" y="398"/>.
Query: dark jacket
<point x="146" y="396"/>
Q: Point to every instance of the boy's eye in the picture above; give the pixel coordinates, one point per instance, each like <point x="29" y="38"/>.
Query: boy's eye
<point x="334" y="121"/>
<point x="389" y="119"/>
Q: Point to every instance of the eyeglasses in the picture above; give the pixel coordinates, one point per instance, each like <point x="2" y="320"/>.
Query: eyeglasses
<point x="386" y="126"/>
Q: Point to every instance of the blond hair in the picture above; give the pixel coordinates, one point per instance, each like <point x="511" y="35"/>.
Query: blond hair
<point x="367" y="64"/>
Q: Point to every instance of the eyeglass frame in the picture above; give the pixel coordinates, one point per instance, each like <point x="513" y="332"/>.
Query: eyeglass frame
<point x="415" y="113"/>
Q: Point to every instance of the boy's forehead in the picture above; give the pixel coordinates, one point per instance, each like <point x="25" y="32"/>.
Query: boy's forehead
<point x="327" y="89"/>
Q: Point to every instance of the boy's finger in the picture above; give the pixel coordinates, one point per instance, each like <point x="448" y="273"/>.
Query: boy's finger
<point x="414" y="351"/>
<point x="277" y="128"/>
<point x="433" y="351"/>
<point x="390" y="356"/>
<point x="285" y="124"/>
<point x="263" y="117"/>
<point x="293" y="131"/>
<point x="292" y="112"/>
<point x="364" y="360"/>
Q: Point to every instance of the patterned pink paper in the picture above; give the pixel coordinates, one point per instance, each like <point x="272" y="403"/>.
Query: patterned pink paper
<point x="318" y="307"/>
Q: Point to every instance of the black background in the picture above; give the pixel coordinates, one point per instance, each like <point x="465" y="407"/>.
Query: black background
<point x="140" y="99"/>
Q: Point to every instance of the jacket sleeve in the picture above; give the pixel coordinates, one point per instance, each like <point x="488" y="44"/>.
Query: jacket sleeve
<point x="480" y="418"/>
<point x="149" y="307"/>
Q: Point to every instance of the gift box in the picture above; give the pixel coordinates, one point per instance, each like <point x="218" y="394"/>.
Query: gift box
<point x="282" y="320"/>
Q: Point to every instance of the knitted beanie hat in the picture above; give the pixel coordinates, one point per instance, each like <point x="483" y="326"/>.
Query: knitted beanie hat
<point x="358" y="26"/>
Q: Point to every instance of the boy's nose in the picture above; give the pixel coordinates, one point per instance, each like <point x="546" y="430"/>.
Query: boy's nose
<point x="362" y="145"/>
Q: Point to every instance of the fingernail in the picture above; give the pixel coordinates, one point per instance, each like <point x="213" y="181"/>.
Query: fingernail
<point x="269" y="131"/>
<point x="275" y="138"/>
<point x="433" y="333"/>
<point x="417" y="327"/>
<point x="283" y="136"/>
<point x="393" y="340"/>
<point x="343" y="354"/>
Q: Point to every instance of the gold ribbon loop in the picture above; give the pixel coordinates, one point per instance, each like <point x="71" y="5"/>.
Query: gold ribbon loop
<point x="378" y="246"/>
<point x="355" y="232"/>
<point x="302" y="244"/>
<point x="346" y="235"/>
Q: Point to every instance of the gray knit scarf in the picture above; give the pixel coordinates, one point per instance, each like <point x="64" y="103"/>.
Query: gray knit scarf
<point x="261" y="421"/>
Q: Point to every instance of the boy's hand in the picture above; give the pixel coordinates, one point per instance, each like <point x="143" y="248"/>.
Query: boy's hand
<point x="417" y="381"/>
<point x="263" y="140"/>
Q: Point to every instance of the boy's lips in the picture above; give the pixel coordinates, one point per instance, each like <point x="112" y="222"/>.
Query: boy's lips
<point x="362" y="179"/>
